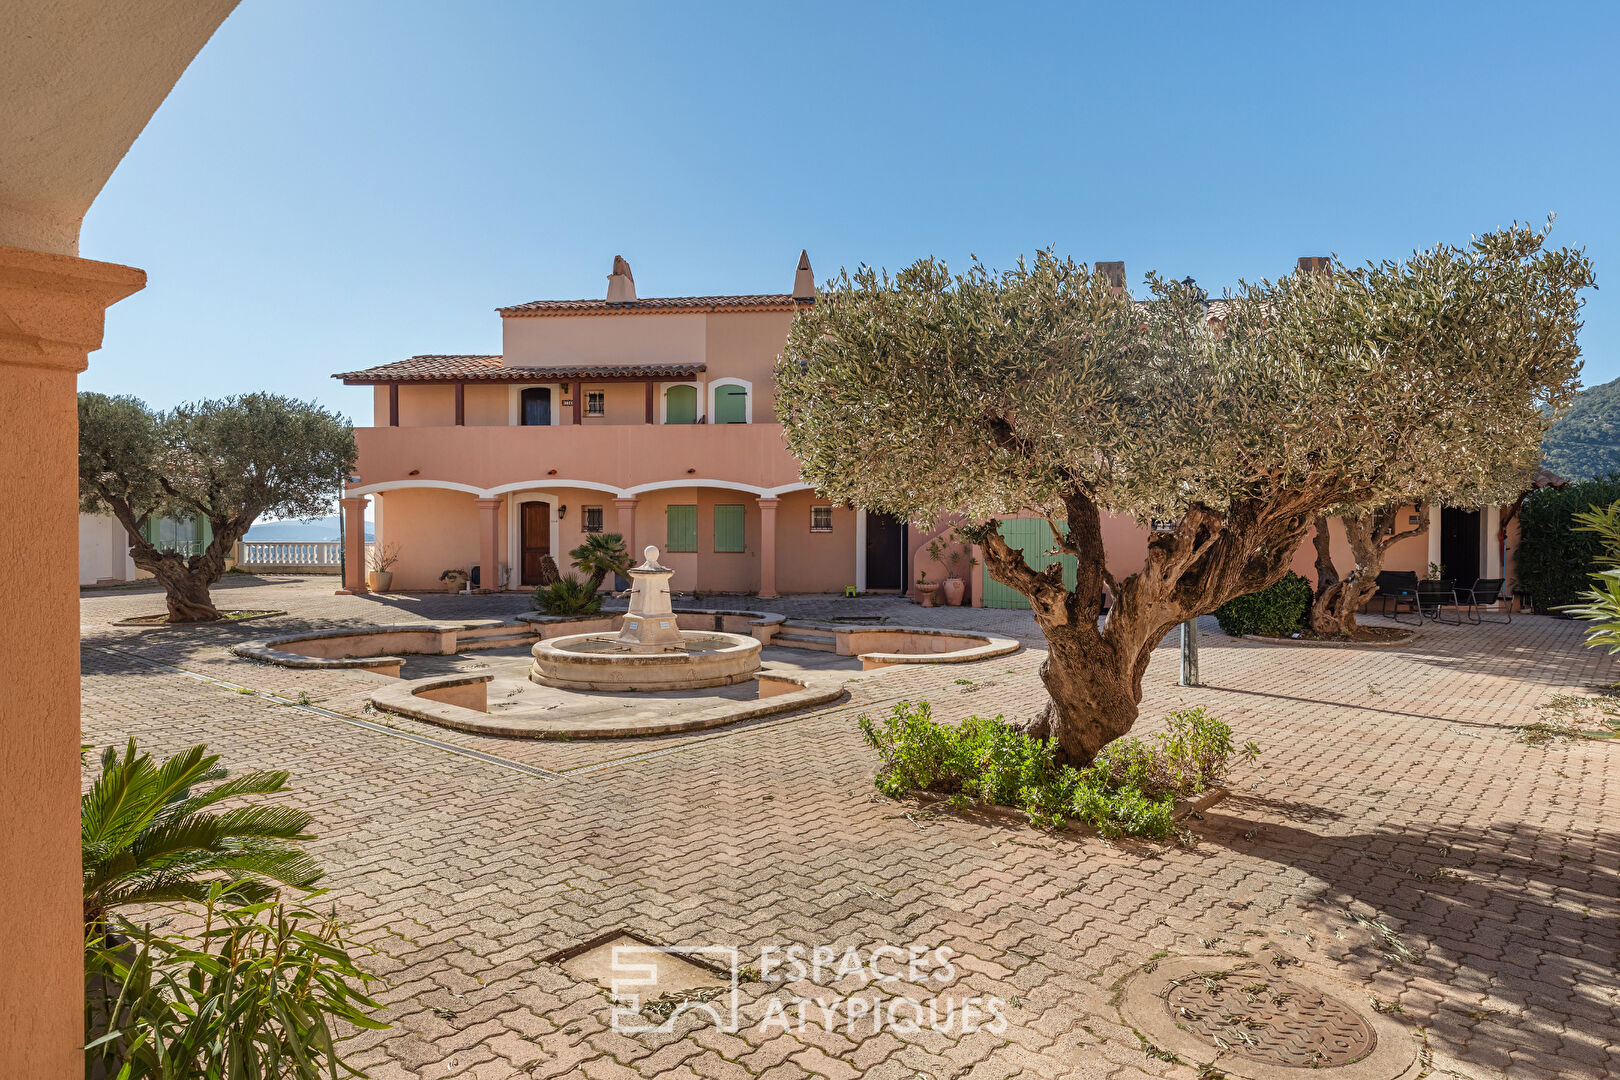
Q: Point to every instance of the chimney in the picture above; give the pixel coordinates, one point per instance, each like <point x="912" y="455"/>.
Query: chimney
<point x="1114" y="272"/>
<point x="804" y="282"/>
<point x="621" y="286"/>
<point x="1314" y="264"/>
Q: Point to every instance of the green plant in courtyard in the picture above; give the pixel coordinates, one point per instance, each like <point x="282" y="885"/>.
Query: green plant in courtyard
<point x="1275" y="611"/>
<point x="1601" y="598"/>
<point x="226" y="461"/>
<point x="1130" y="789"/>
<point x="1556" y="558"/>
<point x="600" y="555"/>
<point x="254" y="993"/>
<point x="1047" y="389"/>
<point x="150" y="833"/>
<point x="568" y="595"/>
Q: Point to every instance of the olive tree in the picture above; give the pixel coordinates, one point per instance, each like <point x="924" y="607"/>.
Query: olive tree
<point x="227" y="461"/>
<point x="1043" y="390"/>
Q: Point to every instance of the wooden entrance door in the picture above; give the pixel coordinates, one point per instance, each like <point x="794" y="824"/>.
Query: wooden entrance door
<point x="536" y="539"/>
<point x="885" y="552"/>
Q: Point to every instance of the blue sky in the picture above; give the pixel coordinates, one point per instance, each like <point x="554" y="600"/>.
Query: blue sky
<point x="339" y="184"/>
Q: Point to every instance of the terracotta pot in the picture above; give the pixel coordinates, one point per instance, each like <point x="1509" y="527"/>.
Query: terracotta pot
<point x="953" y="588"/>
<point x="380" y="580"/>
<point x="927" y="591"/>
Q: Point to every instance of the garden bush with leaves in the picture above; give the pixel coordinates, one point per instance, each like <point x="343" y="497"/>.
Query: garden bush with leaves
<point x="1555" y="558"/>
<point x="253" y="994"/>
<point x="568" y="595"/>
<point x="1274" y="612"/>
<point x="1129" y="790"/>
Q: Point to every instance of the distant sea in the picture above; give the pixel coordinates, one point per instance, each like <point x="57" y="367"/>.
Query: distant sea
<point x="326" y="528"/>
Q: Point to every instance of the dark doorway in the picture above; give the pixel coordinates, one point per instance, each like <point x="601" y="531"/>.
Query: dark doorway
<point x="885" y="551"/>
<point x="537" y="406"/>
<point x="1459" y="544"/>
<point x="536" y="539"/>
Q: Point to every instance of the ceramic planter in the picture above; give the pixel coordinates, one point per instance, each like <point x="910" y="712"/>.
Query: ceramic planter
<point x="380" y="580"/>
<point x="953" y="589"/>
<point x="926" y="591"/>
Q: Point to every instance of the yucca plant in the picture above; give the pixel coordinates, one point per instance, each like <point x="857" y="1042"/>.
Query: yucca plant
<point x="253" y="995"/>
<point x="567" y="596"/>
<point x="150" y="836"/>
<point x="600" y="555"/>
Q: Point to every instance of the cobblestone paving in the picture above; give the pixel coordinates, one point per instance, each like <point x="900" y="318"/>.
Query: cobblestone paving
<point x="1395" y="834"/>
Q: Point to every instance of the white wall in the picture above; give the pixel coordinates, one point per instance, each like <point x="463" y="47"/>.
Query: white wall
<point x="103" y="550"/>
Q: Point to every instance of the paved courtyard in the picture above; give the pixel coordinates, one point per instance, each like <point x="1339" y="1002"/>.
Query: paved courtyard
<point x="1395" y="835"/>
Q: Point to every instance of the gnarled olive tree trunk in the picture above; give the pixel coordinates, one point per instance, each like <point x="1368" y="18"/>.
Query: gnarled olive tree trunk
<point x="185" y="579"/>
<point x="1093" y="673"/>
<point x="1371" y="535"/>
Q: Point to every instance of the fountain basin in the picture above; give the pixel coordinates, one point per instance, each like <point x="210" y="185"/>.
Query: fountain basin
<point x="597" y="662"/>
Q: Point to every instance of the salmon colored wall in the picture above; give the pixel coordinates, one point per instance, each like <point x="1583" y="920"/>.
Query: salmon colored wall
<point x="745" y="346"/>
<point x="617" y="455"/>
<point x="486" y="406"/>
<point x="808" y="562"/>
<point x="436" y="530"/>
<point x="728" y="571"/>
<point x="426" y="406"/>
<point x="605" y="339"/>
<point x="626" y="404"/>
<point x="651" y="528"/>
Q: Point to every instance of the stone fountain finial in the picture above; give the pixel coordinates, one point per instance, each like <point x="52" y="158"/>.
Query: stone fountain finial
<point x="649" y="625"/>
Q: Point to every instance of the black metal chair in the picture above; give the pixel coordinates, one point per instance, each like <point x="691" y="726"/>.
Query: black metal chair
<point x="1484" y="593"/>
<point x="1397" y="588"/>
<point x="1433" y="596"/>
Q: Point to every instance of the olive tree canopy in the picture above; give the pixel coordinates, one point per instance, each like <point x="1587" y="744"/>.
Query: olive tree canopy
<point x="1044" y="390"/>
<point x="227" y="461"/>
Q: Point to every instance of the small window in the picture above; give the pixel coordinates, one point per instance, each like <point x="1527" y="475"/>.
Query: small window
<point x="593" y="519"/>
<point x="728" y="527"/>
<point x="731" y="405"/>
<point x="680" y="528"/>
<point x="821" y="519"/>
<point x="596" y="403"/>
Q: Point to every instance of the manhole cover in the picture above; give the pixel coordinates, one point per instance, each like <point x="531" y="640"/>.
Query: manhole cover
<point x="1270" y="1019"/>
<point x="1252" y="1019"/>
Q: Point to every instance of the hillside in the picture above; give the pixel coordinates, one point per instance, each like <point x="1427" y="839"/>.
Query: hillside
<point x="1585" y="441"/>
<point x="325" y="528"/>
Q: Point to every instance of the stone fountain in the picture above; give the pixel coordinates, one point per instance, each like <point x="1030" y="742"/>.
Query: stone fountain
<point x="649" y="651"/>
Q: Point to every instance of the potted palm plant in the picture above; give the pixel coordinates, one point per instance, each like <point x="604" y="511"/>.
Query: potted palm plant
<point x="956" y="560"/>
<point x="380" y="562"/>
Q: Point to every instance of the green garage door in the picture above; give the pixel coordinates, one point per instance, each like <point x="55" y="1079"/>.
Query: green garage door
<point x="1033" y="537"/>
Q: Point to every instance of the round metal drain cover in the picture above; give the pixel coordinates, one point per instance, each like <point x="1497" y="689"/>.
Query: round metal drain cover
<point x="1275" y="1020"/>
<point x="1254" y="1019"/>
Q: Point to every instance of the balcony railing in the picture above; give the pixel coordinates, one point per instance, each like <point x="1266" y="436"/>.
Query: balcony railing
<point x="290" y="556"/>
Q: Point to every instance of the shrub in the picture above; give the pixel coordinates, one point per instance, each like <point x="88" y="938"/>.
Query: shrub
<point x="568" y="596"/>
<point x="1129" y="790"/>
<point x="1275" y="612"/>
<point x="253" y="993"/>
<point x="1555" y="560"/>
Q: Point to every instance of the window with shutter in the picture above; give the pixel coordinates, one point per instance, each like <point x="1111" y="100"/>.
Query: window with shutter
<point x="728" y="527"/>
<point x="731" y="405"/>
<point x="680" y="528"/>
<point x="680" y="405"/>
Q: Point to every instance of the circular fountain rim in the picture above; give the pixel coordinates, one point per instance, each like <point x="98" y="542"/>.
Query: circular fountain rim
<point x="740" y="643"/>
<point x="557" y="666"/>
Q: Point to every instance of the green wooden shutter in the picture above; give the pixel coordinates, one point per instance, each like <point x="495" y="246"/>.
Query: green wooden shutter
<point x="1032" y="537"/>
<point x="680" y="528"/>
<point x="731" y="405"/>
<point x="680" y="406"/>
<point x="728" y="527"/>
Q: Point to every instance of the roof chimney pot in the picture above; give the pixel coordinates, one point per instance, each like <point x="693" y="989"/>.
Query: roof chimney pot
<point x="804" y="281"/>
<point x="1114" y="272"/>
<point x="621" y="286"/>
<point x="1315" y="264"/>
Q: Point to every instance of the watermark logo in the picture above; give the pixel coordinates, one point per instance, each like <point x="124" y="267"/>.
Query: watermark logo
<point x="652" y="986"/>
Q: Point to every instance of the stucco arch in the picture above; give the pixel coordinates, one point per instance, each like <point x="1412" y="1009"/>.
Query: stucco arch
<point x="689" y="482"/>
<point x="398" y="485"/>
<point x="554" y="482"/>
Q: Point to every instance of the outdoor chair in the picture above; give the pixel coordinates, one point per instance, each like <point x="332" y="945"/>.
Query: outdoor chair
<point x="1485" y="592"/>
<point x="1397" y="588"/>
<point x="1434" y="596"/>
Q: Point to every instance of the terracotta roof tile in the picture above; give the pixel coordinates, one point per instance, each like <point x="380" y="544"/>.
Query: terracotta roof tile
<point x="753" y="302"/>
<point x="470" y="368"/>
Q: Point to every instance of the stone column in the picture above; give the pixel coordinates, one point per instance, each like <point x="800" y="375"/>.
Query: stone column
<point x="767" y="547"/>
<point x="627" y="523"/>
<point x="51" y="317"/>
<point x="976" y="577"/>
<point x="489" y="572"/>
<point x="1493" y="542"/>
<point x="354" y="545"/>
<point x="1434" y="537"/>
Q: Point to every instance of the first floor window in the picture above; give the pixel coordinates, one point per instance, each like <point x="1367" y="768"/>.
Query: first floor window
<point x="821" y="519"/>
<point x="596" y="403"/>
<point x="728" y="527"/>
<point x="593" y="519"/>
<point x="680" y="528"/>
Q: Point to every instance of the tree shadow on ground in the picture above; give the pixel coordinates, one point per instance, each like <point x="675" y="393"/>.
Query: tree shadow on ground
<point x="1515" y="922"/>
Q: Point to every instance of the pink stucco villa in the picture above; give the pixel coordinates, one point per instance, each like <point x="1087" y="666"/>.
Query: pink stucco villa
<point x="654" y="418"/>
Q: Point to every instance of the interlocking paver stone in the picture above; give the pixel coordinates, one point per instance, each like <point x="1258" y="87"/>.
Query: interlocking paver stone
<point x="1395" y="834"/>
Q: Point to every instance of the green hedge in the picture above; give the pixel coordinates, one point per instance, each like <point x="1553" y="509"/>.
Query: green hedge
<point x="1553" y="561"/>
<point x="1274" y="612"/>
